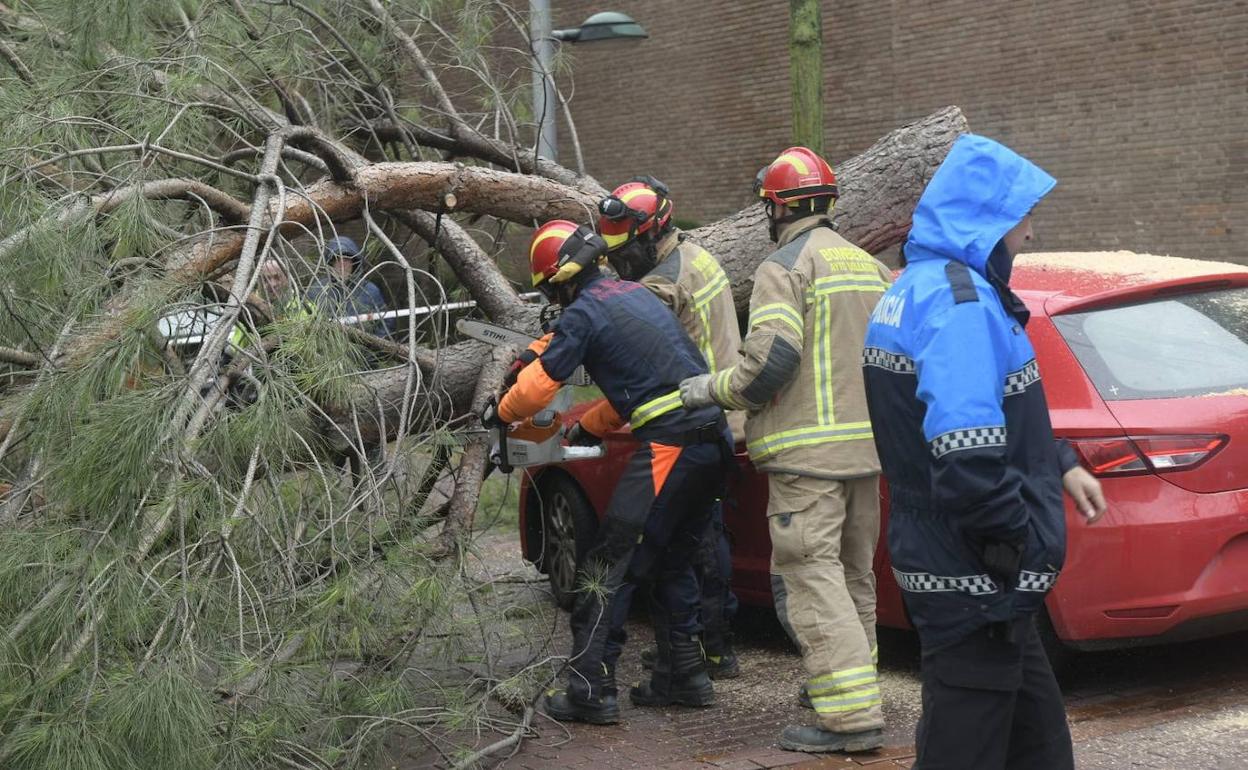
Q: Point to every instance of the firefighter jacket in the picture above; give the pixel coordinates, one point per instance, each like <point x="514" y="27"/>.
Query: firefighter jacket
<point x="635" y="351"/>
<point x="691" y="282"/>
<point x="958" y="407"/>
<point x="799" y="374"/>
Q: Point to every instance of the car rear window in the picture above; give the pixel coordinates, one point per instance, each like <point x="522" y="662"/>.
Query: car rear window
<point x="1189" y="345"/>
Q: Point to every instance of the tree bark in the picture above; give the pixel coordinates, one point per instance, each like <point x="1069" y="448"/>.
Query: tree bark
<point x="879" y="190"/>
<point x="806" y="73"/>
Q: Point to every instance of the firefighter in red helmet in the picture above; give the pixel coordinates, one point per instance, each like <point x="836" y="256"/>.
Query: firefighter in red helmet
<point x="637" y="354"/>
<point x="808" y="429"/>
<point x="644" y="245"/>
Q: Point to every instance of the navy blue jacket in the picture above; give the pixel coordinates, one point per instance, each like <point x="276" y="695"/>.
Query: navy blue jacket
<point x="957" y="406"/>
<point x="635" y="350"/>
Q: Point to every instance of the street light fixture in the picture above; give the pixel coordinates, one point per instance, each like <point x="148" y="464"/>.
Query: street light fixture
<point x="607" y="25"/>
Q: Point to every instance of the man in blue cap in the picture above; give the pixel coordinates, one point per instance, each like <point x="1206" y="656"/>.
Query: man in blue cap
<point x="977" y="530"/>
<point x="342" y="293"/>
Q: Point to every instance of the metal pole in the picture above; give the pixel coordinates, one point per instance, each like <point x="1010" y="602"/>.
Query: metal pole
<point x="544" y="101"/>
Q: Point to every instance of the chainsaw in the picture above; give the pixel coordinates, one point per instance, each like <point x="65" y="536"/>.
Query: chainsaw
<point x="539" y="439"/>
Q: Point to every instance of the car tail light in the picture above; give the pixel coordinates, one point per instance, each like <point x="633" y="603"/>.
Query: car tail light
<point x="1125" y="456"/>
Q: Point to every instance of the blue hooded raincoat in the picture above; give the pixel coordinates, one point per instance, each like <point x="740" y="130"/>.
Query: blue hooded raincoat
<point x="957" y="406"/>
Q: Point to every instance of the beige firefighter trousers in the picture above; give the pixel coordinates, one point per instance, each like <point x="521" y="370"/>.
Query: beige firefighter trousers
<point x="823" y="538"/>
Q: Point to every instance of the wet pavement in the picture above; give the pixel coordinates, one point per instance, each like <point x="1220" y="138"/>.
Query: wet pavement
<point x="1164" y="708"/>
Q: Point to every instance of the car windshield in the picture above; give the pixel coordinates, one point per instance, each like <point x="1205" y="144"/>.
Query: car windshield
<point x="1190" y="345"/>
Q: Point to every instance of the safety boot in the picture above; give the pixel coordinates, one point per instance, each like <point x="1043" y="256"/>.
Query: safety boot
<point x="679" y="675"/>
<point x="816" y="740"/>
<point x="725" y="666"/>
<point x="603" y="709"/>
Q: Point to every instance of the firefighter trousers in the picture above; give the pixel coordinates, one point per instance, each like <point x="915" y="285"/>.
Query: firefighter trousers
<point x="823" y="538"/>
<point x="712" y="563"/>
<point x="990" y="702"/>
<point x="655" y="520"/>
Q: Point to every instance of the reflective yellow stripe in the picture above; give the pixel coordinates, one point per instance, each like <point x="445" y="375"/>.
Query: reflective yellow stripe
<point x="628" y="196"/>
<point x="840" y="681"/>
<point x="615" y="240"/>
<point x="655" y="407"/>
<point x="816" y="434"/>
<point x="557" y="231"/>
<point x="796" y="161"/>
<point x="850" y="701"/>
<point x="780" y="312"/>
<point x="723" y="393"/>
<point x="823" y="362"/>
<point x="825" y="286"/>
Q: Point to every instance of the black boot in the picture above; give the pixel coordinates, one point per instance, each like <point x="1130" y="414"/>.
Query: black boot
<point x="816" y="740"/>
<point x="679" y="675"/>
<point x="803" y="697"/>
<point x="648" y="657"/>
<point x="721" y="658"/>
<point x="603" y="709"/>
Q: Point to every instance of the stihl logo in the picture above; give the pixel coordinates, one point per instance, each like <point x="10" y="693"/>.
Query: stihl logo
<point x="488" y="332"/>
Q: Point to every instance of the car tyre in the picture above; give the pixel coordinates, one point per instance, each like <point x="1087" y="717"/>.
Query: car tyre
<point x="570" y="526"/>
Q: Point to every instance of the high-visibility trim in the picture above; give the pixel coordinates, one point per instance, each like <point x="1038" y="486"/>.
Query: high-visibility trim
<point x="551" y="233"/>
<point x="823" y="362"/>
<point x="838" y="284"/>
<point x="767" y="446"/>
<point x="655" y="407"/>
<point x="721" y="386"/>
<point x="842" y="681"/>
<point x="794" y="160"/>
<point x="615" y="240"/>
<point x="778" y="311"/>
<point x="834" y="704"/>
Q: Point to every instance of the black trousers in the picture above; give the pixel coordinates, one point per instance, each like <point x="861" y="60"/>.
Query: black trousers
<point x="657" y="516"/>
<point x="990" y="702"/>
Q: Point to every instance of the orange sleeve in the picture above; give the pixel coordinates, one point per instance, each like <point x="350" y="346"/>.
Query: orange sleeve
<point x="540" y="344"/>
<point x="533" y="390"/>
<point x="601" y="419"/>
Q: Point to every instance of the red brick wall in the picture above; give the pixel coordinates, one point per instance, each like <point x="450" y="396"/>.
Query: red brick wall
<point x="1138" y="107"/>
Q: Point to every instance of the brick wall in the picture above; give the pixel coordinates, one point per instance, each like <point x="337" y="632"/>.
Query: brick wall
<point x="1138" y="107"/>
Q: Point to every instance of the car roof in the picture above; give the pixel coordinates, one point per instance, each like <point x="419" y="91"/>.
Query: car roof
<point x="1066" y="281"/>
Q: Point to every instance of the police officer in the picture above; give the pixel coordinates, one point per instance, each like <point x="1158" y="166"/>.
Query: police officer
<point x="808" y="430"/>
<point x="644" y="246"/>
<point x="636" y="352"/>
<point x="976" y="525"/>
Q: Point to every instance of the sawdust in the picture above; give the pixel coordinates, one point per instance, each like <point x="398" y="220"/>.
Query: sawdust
<point x="1151" y="267"/>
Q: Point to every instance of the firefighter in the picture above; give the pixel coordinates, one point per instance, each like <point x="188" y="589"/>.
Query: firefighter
<point x="808" y="430"/>
<point x="636" y="352"/>
<point x="977" y="531"/>
<point x="644" y="246"/>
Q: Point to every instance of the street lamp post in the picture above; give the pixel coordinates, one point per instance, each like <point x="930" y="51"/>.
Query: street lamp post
<point x="606" y="25"/>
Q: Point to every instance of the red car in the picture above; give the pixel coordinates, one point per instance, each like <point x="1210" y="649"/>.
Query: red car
<point x="1145" y="365"/>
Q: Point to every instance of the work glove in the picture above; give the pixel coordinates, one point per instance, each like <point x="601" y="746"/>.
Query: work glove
<point x="578" y="436"/>
<point x="489" y="414"/>
<point x="1002" y="561"/>
<point x="696" y="391"/>
<point x="525" y="358"/>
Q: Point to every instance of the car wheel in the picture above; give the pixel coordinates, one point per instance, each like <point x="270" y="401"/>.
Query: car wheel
<point x="570" y="525"/>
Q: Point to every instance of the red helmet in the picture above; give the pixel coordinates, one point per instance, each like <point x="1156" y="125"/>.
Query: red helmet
<point x="638" y="206"/>
<point x="560" y="249"/>
<point x="797" y="174"/>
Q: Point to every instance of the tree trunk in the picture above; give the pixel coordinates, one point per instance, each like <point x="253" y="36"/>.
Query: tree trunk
<point x="879" y="190"/>
<point x="806" y="72"/>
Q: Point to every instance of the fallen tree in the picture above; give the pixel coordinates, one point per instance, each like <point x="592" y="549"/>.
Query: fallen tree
<point x="179" y="535"/>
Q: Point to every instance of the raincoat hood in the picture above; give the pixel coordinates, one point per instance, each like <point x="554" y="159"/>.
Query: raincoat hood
<point x="979" y="193"/>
